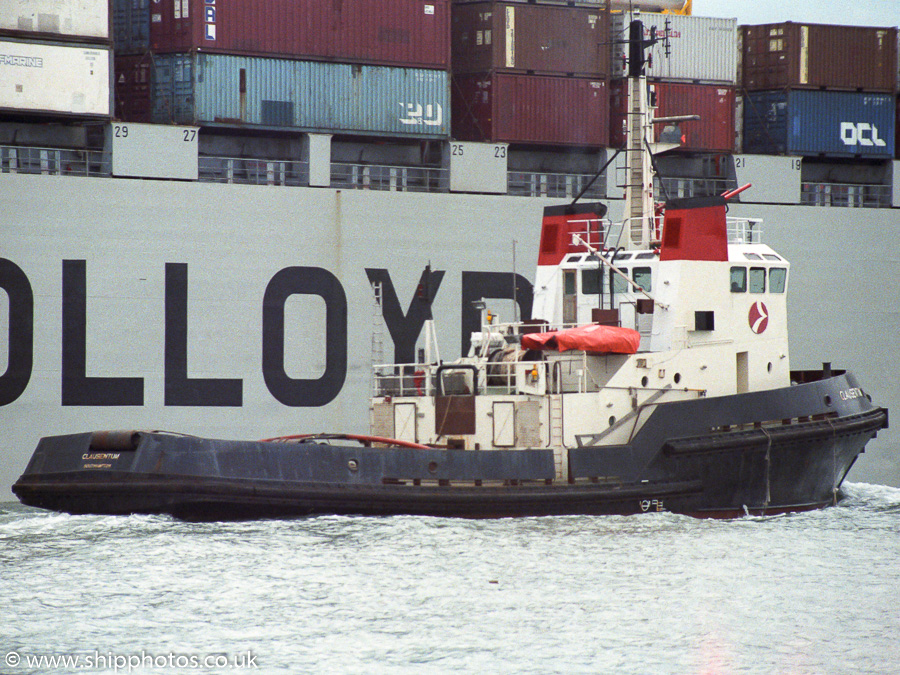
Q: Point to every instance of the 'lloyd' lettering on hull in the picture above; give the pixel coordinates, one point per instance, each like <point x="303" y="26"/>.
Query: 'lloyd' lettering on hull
<point x="127" y="388"/>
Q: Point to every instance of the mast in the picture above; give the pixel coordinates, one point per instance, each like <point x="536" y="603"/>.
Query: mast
<point x="639" y="202"/>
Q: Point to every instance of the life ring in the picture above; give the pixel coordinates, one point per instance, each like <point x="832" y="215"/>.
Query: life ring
<point x="419" y="382"/>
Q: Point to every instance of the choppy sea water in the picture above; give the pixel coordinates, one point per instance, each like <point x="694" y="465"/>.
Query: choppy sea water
<point x="658" y="593"/>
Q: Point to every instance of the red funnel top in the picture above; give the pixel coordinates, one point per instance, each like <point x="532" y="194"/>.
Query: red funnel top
<point x="695" y="229"/>
<point x="561" y="222"/>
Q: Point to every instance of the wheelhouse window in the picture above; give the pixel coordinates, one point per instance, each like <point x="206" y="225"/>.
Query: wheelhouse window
<point x="592" y="281"/>
<point x="777" y="279"/>
<point x="619" y="284"/>
<point x="641" y="276"/>
<point x="738" y="279"/>
<point x="757" y="280"/>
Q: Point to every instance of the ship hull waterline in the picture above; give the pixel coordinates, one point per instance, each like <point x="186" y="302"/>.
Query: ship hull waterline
<point x="753" y="469"/>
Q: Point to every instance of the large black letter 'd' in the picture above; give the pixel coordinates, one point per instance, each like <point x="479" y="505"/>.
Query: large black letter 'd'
<point x="21" y="331"/>
<point x="77" y="387"/>
<point x="496" y="286"/>
<point x="304" y="281"/>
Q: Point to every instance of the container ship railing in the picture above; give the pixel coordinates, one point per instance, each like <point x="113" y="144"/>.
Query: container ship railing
<point x="246" y="171"/>
<point x="249" y="171"/>
<point x="846" y="195"/>
<point x="55" y="161"/>
<point x="555" y="185"/>
<point x="391" y="178"/>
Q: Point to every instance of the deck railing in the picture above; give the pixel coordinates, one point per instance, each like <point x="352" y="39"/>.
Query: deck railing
<point x="217" y="169"/>
<point x="554" y="185"/>
<point x="213" y="169"/>
<point x="391" y="178"/>
<point x="846" y="195"/>
<point x="55" y="161"/>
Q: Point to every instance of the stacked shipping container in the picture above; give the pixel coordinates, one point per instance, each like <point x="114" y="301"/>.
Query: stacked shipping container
<point x="55" y="58"/>
<point x="714" y="132"/>
<point x="819" y="90"/>
<point x="530" y="73"/>
<point x="692" y="71"/>
<point x="366" y="67"/>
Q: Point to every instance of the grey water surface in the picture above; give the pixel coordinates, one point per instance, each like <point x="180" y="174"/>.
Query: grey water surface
<point x="658" y="593"/>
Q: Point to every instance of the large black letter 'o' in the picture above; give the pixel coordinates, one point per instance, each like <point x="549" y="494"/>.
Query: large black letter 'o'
<point x="304" y="281"/>
<point x="21" y="331"/>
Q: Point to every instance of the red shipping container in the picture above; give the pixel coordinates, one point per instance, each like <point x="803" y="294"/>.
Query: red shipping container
<point x="547" y="39"/>
<point x="535" y="109"/>
<point x="133" y="81"/>
<point x="714" y="131"/>
<point x="379" y="32"/>
<point x="817" y="56"/>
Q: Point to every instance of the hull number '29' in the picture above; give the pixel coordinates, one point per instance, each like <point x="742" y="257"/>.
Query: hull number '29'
<point x="80" y="389"/>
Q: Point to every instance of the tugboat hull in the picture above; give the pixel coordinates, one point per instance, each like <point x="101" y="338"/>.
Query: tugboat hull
<point x="718" y="457"/>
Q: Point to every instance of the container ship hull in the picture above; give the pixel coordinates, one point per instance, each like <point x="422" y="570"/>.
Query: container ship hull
<point x="676" y="463"/>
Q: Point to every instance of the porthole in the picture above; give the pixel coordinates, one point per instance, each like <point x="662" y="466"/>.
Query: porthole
<point x="827" y="400"/>
<point x="645" y="381"/>
<point x="769" y="367"/>
<point x="677" y="378"/>
<point x="432" y="467"/>
<point x="612" y="420"/>
<point x="353" y="465"/>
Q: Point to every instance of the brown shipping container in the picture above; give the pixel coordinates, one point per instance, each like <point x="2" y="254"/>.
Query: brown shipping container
<point x="379" y="32"/>
<point x="133" y="81"/>
<point x="546" y="39"/>
<point x="713" y="132"/>
<point x="814" y="56"/>
<point x="535" y="109"/>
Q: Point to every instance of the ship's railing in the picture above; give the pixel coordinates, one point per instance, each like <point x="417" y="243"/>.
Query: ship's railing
<point x="679" y="188"/>
<point x="403" y="379"/>
<point x="846" y="194"/>
<point x="554" y="185"/>
<point x="391" y="178"/>
<point x="744" y="230"/>
<point x="213" y="169"/>
<point x="55" y="161"/>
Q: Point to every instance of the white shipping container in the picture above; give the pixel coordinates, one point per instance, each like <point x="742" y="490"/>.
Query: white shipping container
<point x="54" y="78"/>
<point x="701" y="49"/>
<point x="70" y="18"/>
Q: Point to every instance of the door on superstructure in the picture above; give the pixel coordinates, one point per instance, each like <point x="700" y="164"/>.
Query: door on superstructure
<point x="743" y="372"/>
<point x="405" y="427"/>
<point x="570" y="296"/>
<point x="504" y="417"/>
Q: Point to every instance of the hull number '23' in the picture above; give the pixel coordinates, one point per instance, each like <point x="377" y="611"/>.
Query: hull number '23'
<point x="80" y="389"/>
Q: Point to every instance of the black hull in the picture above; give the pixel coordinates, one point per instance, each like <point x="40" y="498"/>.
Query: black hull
<point x="756" y="468"/>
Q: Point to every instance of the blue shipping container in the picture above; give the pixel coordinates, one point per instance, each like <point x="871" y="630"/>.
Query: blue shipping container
<point x="236" y="91"/>
<point x="830" y="123"/>
<point x="131" y="26"/>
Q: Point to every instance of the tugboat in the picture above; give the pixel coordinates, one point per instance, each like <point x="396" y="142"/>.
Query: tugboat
<point x="654" y="375"/>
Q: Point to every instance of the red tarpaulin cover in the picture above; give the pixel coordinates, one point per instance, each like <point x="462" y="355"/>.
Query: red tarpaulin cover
<point x="590" y="338"/>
